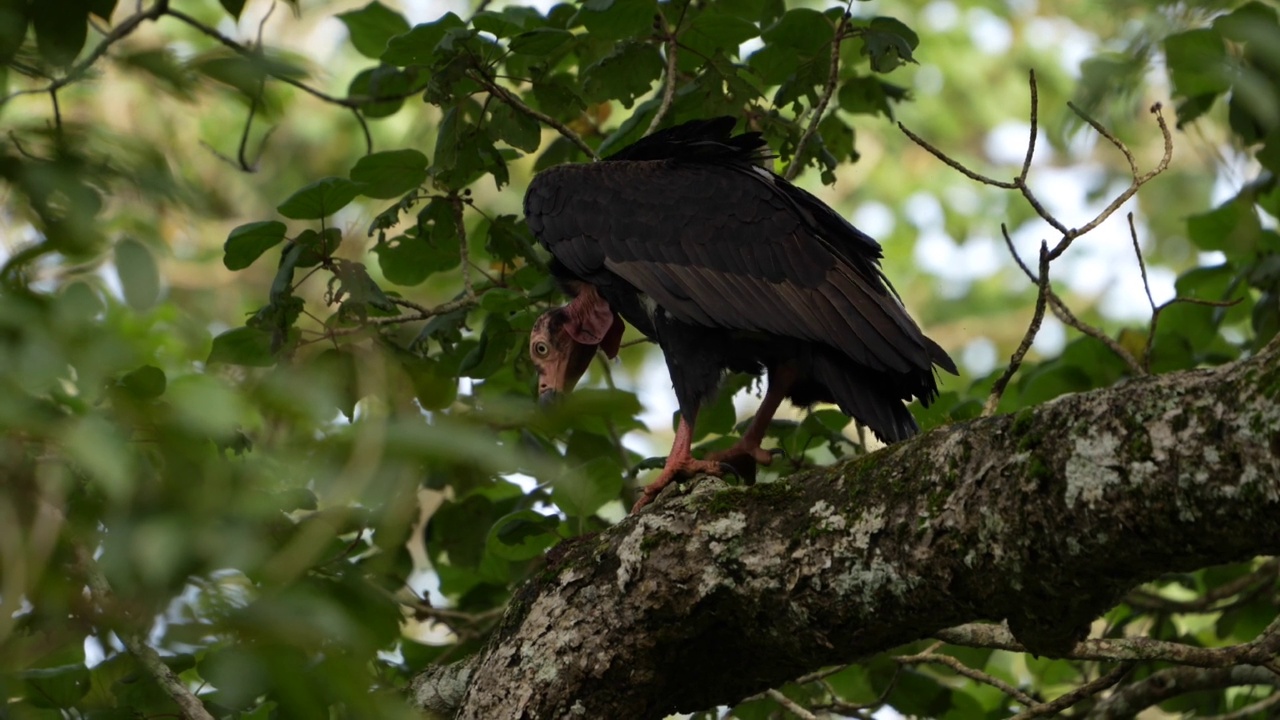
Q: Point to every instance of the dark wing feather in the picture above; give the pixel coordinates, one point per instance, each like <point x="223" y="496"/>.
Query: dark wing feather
<point x="733" y="246"/>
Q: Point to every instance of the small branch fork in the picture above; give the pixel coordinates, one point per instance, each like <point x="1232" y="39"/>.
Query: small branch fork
<point x="1046" y="298"/>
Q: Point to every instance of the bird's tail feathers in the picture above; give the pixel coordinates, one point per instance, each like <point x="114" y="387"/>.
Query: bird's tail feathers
<point x="867" y="399"/>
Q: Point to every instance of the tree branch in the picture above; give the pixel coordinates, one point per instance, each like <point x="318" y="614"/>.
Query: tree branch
<point x="1171" y="682"/>
<point x="1045" y="518"/>
<point x="519" y="105"/>
<point x="192" y="708"/>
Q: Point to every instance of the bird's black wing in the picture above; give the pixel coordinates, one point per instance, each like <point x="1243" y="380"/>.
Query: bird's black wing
<point x="730" y="245"/>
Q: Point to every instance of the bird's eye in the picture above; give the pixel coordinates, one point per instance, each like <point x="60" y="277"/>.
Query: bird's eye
<point x="540" y="349"/>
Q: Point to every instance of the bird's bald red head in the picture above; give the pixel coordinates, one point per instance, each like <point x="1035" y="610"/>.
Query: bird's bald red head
<point x="563" y="341"/>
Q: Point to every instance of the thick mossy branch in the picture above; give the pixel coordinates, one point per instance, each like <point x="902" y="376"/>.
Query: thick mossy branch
<point x="1044" y="518"/>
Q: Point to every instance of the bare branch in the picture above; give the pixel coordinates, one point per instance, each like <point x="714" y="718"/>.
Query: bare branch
<point x="134" y="642"/>
<point x="1035" y="121"/>
<point x="1256" y="652"/>
<point x="1137" y="182"/>
<point x="671" y="45"/>
<point x="1087" y="690"/>
<point x="1063" y="313"/>
<point x="1029" y="337"/>
<point x="790" y="705"/>
<point x="833" y="77"/>
<point x="1161" y="685"/>
<point x="456" y="203"/>
<point x="1248" y="585"/>
<point x="1069" y="318"/>
<point x="971" y="673"/>
<point x="519" y="105"/>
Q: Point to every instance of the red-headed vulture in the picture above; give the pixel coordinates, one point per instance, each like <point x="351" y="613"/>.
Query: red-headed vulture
<point x="728" y="268"/>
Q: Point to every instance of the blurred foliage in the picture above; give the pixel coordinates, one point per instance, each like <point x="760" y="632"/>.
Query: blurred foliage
<point x="315" y="469"/>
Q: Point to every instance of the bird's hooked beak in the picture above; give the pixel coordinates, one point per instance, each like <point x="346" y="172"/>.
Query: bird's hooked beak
<point x="559" y="359"/>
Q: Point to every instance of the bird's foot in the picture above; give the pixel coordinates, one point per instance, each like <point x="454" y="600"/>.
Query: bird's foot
<point x="743" y="458"/>
<point x="682" y="468"/>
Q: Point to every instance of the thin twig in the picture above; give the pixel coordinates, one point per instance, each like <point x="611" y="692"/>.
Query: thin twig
<point x="1248" y="585"/>
<point x="790" y="705"/>
<point x="456" y="203"/>
<point x="519" y="105"/>
<point x="1063" y="313"/>
<point x="1035" y="124"/>
<point x="971" y="673"/>
<point x="1137" y="182"/>
<point x="833" y="77"/>
<point x="1257" y="651"/>
<point x="1029" y="337"/>
<point x="953" y="164"/>
<point x="100" y="589"/>
<point x="671" y="43"/>
<point x="1087" y="690"/>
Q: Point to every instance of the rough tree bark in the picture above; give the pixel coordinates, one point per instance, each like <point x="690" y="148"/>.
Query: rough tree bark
<point x="1043" y="519"/>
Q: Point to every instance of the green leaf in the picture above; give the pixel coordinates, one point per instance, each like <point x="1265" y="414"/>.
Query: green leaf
<point x="496" y="342"/>
<point x="408" y="260"/>
<point x="418" y="46"/>
<point x="238" y="673"/>
<point x="391" y="173"/>
<point x="242" y="346"/>
<point x="359" y="289"/>
<point x="624" y="74"/>
<point x="233" y="7"/>
<point x="372" y="26"/>
<point x="558" y="96"/>
<point x="503" y="300"/>
<point x="497" y="24"/>
<point x="146" y="383"/>
<point x="715" y="30"/>
<point x="506" y="238"/>
<point x="1232" y="227"/>
<point x="102" y="8"/>
<point x="246" y="243"/>
<point x="163" y="65"/>
<point x="1197" y="63"/>
<point x="382" y="81"/>
<point x="522" y="535"/>
<point x="803" y="31"/>
<point x="540" y="41"/>
<point x="320" y="199"/>
<point x="870" y="95"/>
<point x="582" y="493"/>
<point x="314" y="248"/>
<point x="1269" y="158"/>
<point x="139" y="276"/>
<point x="617" y="19"/>
<point x="434" y="388"/>
<point x="61" y="29"/>
<point x="889" y="43"/>
<point x="15" y="15"/>
<point x="56" y="687"/>
<point x="515" y="128"/>
<point x="774" y="63"/>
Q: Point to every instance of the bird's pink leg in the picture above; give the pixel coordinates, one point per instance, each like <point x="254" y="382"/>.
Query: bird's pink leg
<point x="747" y="451"/>
<point x="680" y="463"/>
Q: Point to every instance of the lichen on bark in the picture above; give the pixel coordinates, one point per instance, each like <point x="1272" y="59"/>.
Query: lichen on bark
<point x="1042" y="518"/>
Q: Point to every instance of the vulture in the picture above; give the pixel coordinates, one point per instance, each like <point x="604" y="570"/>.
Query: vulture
<point x="728" y="267"/>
